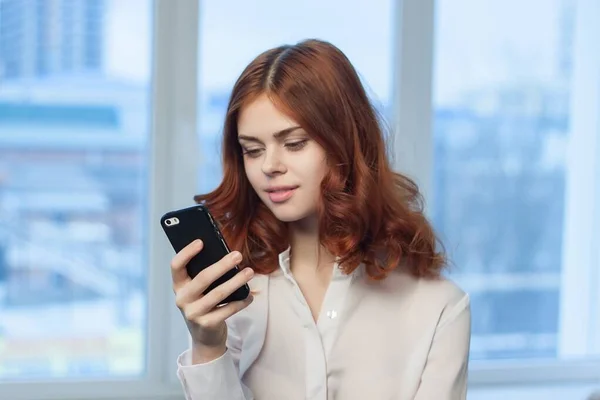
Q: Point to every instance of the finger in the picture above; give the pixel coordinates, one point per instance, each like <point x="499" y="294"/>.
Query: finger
<point x="181" y="259"/>
<point x="193" y="290"/>
<point x="207" y="303"/>
<point x="206" y="277"/>
<point x="219" y="314"/>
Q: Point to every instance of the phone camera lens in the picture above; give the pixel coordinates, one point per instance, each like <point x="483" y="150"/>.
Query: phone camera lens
<point x="168" y="222"/>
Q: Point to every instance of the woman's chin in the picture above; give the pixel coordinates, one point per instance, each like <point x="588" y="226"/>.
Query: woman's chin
<point x="296" y="217"/>
<point x="289" y="217"/>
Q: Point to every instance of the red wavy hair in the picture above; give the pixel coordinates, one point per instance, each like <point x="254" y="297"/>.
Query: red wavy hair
<point x="367" y="212"/>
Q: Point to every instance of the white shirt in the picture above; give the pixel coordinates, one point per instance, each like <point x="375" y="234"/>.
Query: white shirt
<point x="291" y="357"/>
<point x="296" y="342"/>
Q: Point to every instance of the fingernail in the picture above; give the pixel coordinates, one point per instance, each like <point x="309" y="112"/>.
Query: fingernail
<point x="236" y="256"/>
<point x="248" y="271"/>
<point x="198" y="243"/>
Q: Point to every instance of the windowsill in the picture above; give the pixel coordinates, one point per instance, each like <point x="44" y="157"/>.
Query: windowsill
<point x="579" y="391"/>
<point x="548" y="380"/>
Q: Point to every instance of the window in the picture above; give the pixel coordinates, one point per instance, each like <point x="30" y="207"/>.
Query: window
<point x="85" y="310"/>
<point x="515" y="92"/>
<point x="229" y="41"/>
<point x="516" y="172"/>
<point x="74" y="134"/>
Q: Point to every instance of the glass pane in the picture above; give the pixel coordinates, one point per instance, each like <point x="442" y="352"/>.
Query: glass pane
<point x="502" y="85"/>
<point x="229" y="41"/>
<point x="73" y="169"/>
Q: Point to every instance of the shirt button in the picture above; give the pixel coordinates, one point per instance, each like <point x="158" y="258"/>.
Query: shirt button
<point x="332" y="314"/>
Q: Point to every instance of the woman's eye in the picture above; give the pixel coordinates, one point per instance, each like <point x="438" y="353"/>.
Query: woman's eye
<point x="251" y="152"/>
<point x="295" y="146"/>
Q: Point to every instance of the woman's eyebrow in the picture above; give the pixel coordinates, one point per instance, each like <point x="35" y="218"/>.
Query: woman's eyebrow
<point x="278" y="135"/>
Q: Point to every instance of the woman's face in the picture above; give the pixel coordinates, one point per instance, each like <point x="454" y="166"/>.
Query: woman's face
<point x="283" y="164"/>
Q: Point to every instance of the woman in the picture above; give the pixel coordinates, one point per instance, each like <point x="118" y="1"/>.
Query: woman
<point x="348" y="302"/>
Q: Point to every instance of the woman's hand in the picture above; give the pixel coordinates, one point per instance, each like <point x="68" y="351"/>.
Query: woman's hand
<point x="206" y="321"/>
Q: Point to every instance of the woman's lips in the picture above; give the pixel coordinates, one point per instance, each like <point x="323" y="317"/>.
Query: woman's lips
<point x="280" y="195"/>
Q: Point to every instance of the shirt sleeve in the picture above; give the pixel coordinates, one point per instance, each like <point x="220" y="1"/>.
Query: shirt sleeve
<point x="217" y="379"/>
<point x="445" y="374"/>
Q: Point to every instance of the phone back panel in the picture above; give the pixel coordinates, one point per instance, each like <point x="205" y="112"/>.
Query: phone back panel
<point x="196" y="223"/>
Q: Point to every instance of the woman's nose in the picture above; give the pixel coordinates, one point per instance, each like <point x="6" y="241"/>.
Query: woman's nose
<point x="272" y="163"/>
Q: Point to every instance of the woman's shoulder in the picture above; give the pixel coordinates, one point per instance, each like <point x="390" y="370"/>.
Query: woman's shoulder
<point x="421" y="302"/>
<point x="438" y="292"/>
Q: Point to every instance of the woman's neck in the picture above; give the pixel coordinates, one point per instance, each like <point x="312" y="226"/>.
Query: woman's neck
<point x="306" y="251"/>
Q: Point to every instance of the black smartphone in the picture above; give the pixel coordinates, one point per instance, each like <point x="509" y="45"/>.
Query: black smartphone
<point x="184" y="226"/>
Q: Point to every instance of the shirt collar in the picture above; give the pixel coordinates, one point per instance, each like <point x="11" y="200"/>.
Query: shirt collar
<point x="284" y="262"/>
<point x="284" y="265"/>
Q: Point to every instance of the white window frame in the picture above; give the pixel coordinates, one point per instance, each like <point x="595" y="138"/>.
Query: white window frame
<point x="413" y="150"/>
<point x="580" y="313"/>
<point x="174" y="170"/>
<point x="173" y="181"/>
